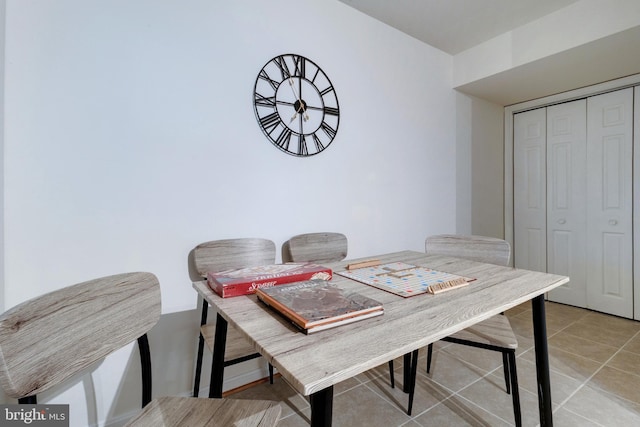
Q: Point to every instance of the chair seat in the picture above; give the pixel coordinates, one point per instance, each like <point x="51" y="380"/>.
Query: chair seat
<point x="237" y="346"/>
<point x="193" y="411"/>
<point x="495" y="331"/>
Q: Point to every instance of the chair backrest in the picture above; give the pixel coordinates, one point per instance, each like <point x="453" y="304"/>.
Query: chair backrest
<point x="220" y="255"/>
<point x="48" y="339"/>
<point x="475" y="248"/>
<point x="316" y="247"/>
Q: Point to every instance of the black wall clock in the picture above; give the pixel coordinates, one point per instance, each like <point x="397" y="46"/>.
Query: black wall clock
<point x="296" y="105"/>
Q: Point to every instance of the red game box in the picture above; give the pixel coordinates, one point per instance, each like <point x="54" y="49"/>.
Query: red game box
<point x="245" y="281"/>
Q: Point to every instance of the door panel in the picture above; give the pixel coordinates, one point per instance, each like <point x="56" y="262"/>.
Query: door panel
<point x="636" y="201"/>
<point x="529" y="164"/>
<point x="566" y="199"/>
<point x="609" y="203"/>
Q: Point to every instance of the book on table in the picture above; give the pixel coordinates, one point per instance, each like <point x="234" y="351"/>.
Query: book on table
<point x="245" y="281"/>
<point x="316" y="305"/>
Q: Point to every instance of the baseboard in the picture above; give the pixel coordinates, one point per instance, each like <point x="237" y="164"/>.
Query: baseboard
<point x="249" y="385"/>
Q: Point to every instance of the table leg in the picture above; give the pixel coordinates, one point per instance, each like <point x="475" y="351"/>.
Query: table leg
<point x="217" y="365"/>
<point x="406" y="364"/>
<point x="542" y="361"/>
<point x="322" y="407"/>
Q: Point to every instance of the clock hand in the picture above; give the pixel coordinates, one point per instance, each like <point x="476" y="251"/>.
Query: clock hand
<point x="302" y="105"/>
<point x="302" y="108"/>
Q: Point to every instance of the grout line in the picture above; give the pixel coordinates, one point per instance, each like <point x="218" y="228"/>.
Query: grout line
<point x="487" y="377"/>
<point x="393" y="403"/>
<point x="603" y="364"/>
<point x="580" y="386"/>
<point x="455" y="395"/>
<point x="581" y="417"/>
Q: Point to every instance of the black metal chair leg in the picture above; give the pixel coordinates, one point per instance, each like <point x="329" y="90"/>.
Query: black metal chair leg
<point x="145" y="361"/>
<point x="515" y="394"/>
<point x="505" y="364"/>
<point x="217" y="361"/>
<point x="203" y="320"/>
<point x="391" y="376"/>
<point x="196" y="380"/>
<point x="429" y="355"/>
<point x="270" y="373"/>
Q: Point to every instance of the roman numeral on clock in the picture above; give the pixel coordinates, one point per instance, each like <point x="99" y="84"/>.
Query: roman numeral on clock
<point x="265" y="101"/>
<point x="331" y="111"/>
<point x="270" y="122"/>
<point x="319" y="144"/>
<point x="331" y="132"/>
<point x="302" y="146"/>
<point x="284" y="138"/>
<point x="284" y="68"/>
<point x="264" y="76"/>
<point x="326" y="91"/>
<point x="300" y="66"/>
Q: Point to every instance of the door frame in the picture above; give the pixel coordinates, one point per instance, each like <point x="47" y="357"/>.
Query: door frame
<point x="610" y="86"/>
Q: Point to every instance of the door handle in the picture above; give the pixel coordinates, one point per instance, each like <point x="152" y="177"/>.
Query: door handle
<point x="613" y="222"/>
<point x="561" y="221"/>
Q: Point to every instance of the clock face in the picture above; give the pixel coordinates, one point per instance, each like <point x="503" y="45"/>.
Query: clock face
<point x="296" y="105"/>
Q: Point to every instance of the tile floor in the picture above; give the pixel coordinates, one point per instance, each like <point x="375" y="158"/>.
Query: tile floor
<point x="595" y="380"/>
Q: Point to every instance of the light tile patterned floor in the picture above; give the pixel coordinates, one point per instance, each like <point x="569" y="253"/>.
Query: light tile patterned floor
<point x="595" y="380"/>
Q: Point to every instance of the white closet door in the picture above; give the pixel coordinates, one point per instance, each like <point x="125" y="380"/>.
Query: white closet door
<point x="566" y="199"/>
<point x="636" y="201"/>
<point x="609" y="203"/>
<point x="529" y="181"/>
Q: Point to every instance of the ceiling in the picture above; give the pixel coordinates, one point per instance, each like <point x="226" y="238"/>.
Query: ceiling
<point x="456" y="25"/>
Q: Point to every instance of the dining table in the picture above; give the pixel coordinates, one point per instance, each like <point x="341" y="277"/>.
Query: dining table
<point x="314" y="363"/>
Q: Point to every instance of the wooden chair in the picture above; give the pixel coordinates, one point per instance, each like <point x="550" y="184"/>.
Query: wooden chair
<point x="315" y="247"/>
<point x="318" y="248"/>
<point x="220" y="255"/>
<point x="494" y="333"/>
<point x="55" y="337"/>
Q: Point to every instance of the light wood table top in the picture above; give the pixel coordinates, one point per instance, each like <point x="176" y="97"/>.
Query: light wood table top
<point x="311" y="363"/>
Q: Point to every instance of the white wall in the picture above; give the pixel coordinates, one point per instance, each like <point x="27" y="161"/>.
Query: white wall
<point x="130" y="137"/>
<point x="554" y="54"/>
<point x="578" y="24"/>
<point x="464" y="163"/>
<point x="487" y="169"/>
<point x="3" y="6"/>
<point x="479" y="167"/>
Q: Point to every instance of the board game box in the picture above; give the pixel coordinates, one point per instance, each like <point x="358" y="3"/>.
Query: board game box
<point x="406" y="280"/>
<point x="316" y="305"/>
<point x="245" y="281"/>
